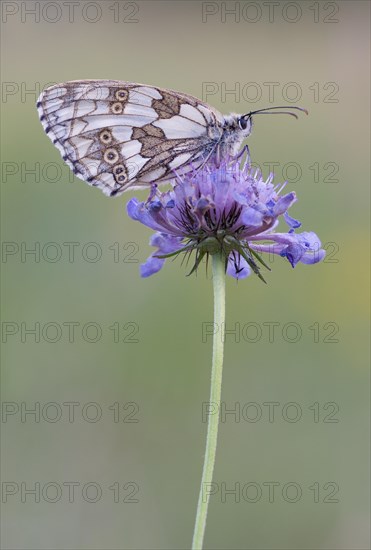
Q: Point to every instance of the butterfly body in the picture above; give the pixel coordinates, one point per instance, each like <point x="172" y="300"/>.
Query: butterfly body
<point x="233" y="134"/>
<point x="121" y="135"/>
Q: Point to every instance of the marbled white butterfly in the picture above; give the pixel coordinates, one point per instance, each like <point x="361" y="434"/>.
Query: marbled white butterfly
<point x="121" y="135"/>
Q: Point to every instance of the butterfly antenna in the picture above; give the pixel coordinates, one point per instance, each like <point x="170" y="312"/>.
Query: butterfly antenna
<point x="268" y="111"/>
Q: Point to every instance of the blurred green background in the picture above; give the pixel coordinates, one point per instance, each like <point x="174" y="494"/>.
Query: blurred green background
<point x="162" y="379"/>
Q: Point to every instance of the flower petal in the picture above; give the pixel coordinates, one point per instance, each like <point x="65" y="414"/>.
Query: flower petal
<point x="237" y="266"/>
<point x="291" y="222"/>
<point x="132" y="209"/>
<point x="309" y="239"/>
<point x="313" y="256"/>
<point x="166" y="244"/>
<point x="151" y="266"/>
<point x="302" y="247"/>
<point x="284" y="203"/>
<point x="251" y="217"/>
<point x="293" y="253"/>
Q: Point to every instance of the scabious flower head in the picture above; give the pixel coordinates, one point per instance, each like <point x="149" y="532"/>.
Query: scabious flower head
<point x="228" y="209"/>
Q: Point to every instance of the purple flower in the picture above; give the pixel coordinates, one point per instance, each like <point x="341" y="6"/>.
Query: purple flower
<point x="228" y="209"/>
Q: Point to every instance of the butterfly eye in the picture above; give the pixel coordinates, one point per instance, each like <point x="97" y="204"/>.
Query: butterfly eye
<point x="111" y="156"/>
<point x="242" y="123"/>
<point x="117" y="108"/>
<point x="105" y="137"/>
<point x="121" y="95"/>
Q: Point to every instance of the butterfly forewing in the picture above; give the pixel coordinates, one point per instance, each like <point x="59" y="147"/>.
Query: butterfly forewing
<point x="118" y="135"/>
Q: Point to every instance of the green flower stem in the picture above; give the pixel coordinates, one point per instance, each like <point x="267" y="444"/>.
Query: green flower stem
<point x="218" y="263"/>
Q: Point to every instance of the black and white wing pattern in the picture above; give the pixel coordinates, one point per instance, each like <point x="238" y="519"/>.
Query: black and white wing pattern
<point x="120" y="135"/>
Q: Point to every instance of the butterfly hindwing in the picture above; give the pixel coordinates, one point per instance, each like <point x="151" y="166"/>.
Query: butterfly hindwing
<point x="119" y="135"/>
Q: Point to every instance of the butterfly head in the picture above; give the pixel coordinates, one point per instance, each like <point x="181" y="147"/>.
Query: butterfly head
<point x="237" y="127"/>
<point x="245" y="124"/>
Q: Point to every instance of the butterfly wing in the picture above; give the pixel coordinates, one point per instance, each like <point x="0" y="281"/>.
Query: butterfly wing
<point x="118" y="135"/>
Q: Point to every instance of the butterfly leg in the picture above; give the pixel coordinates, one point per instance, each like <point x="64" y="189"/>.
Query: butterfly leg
<point x="246" y="150"/>
<point x="218" y="155"/>
<point x="215" y="149"/>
